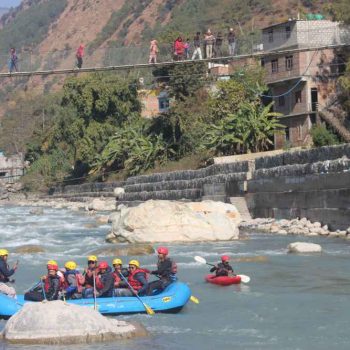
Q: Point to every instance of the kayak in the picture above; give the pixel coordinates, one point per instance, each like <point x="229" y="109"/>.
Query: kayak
<point x="171" y="300"/>
<point x="223" y="280"/>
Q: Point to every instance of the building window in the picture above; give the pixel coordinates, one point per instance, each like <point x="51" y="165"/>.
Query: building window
<point x="281" y="101"/>
<point x="2" y="174"/>
<point x="274" y="66"/>
<point x="297" y="96"/>
<point x="288" y="31"/>
<point x="262" y="62"/>
<point x="270" y="35"/>
<point x="289" y="62"/>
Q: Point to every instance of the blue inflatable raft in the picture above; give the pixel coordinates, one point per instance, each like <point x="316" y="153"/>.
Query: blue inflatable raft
<point x="170" y="300"/>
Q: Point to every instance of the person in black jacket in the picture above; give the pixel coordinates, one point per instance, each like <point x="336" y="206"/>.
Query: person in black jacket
<point x="224" y="268"/>
<point x="6" y="273"/>
<point x="104" y="281"/>
<point x="49" y="288"/>
<point x="164" y="271"/>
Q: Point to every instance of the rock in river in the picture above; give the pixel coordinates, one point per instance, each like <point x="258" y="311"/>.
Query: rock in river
<point x="29" y="249"/>
<point x="302" y="247"/>
<point x="125" y="250"/>
<point x="171" y="221"/>
<point x="56" y="322"/>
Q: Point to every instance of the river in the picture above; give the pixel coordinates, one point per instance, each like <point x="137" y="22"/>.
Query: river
<point x="292" y="301"/>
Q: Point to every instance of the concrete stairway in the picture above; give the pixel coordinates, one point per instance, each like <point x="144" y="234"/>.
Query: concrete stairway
<point x="241" y="205"/>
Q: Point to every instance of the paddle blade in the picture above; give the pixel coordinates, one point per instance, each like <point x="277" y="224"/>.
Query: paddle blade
<point x="244" y="278"/>
<point x="194" y="299"/>
<point x="200" y="259"/>
<point x="149" y="310"/>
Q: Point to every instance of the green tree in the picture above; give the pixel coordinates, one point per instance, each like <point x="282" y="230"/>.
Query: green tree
<point x="321" y="136"/>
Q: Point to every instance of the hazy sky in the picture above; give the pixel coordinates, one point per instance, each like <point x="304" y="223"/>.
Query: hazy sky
<point x="9" y="3"/>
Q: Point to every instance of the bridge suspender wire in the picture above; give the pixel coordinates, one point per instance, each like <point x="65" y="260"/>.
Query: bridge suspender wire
<point x="219" y="60"/>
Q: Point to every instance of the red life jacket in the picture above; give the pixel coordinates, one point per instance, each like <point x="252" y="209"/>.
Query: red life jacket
<point x="47" y="283"/>
<point x="116" y="276"/>
<point x="135" y="283"/>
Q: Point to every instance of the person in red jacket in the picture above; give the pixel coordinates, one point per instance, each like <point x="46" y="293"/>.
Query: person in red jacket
<point x="179" y="49"/>
<point x="79" y="55"/>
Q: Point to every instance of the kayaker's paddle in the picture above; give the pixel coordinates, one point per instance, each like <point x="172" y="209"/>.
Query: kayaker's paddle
<point x="147" y="308"/>
<point x="244" y="278"/>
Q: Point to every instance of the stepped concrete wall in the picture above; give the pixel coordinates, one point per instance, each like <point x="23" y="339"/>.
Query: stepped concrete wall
<point x="311" y="183"/>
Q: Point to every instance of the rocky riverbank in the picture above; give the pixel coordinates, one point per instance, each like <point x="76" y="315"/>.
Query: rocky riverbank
<point x="303" y="227"/>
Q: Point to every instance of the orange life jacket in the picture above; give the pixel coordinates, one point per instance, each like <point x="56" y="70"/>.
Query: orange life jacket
<point x="47" y="283"/>
<point x="135" y="283"/>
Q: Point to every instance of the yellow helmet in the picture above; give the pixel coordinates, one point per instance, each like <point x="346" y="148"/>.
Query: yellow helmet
<point x="4" y="252"/>
<point x="134" y="262"/>
<point x="117" y="262"/>
<point x="52" y="262"/>
<point x="92" y="258"/>
<point x="70" y="265"/>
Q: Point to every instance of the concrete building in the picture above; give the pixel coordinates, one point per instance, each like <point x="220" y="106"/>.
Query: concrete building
<point x="302" y="81"/>
<point x="11" y="169"/>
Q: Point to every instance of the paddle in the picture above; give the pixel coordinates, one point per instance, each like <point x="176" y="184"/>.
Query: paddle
<point x="95" y="302"/>
<point x="244" y="278"/>
<point x="194" y="299"/>
<point x="147" y="308"/>
<point x="43" y="288"/>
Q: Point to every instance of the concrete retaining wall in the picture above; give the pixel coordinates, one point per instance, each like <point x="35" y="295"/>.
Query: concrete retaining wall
<point x="305" y="183"/>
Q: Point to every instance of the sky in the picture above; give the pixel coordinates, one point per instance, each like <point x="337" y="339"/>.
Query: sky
<point x="9" y="3"/>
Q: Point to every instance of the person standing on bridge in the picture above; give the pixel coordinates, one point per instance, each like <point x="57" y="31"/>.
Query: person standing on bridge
<point x="197" y="46"/>
<point x="79" y="55"/>
<point x="231" y="38"/>
<point x="153" y="52"/>
<point x="209" y="40"/>
<point x="13" y="60"/>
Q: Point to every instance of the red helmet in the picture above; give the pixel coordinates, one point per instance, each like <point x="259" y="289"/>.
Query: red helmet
<point x="103" y="265"/>
<point x="225" y="258"/>
<point x="163" y="250"/>
<point x="52" y="267"/>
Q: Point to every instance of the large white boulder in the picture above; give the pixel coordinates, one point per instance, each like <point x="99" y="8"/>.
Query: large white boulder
<point x="118" y="192"/>
<point x="302" y="247"/>
<point x="56" y="322"/>
<point x="171" y="221"/>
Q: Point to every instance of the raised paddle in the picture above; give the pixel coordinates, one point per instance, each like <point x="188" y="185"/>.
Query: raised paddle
<point x="244" y="278"/>
<point x="147" y="308"/>
<point x="95" y="301"/>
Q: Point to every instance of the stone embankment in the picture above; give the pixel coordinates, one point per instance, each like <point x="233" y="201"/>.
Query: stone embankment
<point x="56" y="322"/>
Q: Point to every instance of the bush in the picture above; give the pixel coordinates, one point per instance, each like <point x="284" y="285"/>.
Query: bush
<point x="321" y="136"/>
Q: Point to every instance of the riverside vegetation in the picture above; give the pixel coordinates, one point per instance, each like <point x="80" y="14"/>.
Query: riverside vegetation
<point x="94" y="126"/>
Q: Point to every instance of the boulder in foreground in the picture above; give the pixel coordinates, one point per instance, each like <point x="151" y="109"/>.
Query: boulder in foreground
<point x="171" y="221"/>
<point x="56" y="322"/>
<point x="302" y="247"/>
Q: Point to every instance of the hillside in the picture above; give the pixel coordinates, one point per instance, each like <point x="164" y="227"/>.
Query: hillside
<point x="51" y="25"/>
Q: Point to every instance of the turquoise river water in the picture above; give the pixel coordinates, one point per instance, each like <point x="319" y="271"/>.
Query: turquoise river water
<point x="292" y="301"/>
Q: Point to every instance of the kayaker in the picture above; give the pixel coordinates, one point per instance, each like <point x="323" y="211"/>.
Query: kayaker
<point x="118" y="271"/>
<point x="74" y="281"/>
<point x="90" y="274"/>
<point x="166" y="271"/>
<point x="223" y="268"/>
<point x="104" y="281"/>
<point x="6" y="273"/>
<point x="50" y="286"/>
